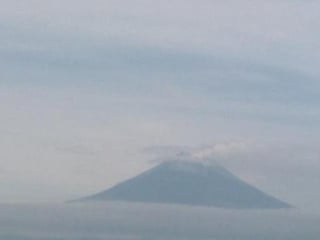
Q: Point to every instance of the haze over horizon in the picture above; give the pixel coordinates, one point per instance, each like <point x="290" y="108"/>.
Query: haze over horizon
<point x="95" y="92"/>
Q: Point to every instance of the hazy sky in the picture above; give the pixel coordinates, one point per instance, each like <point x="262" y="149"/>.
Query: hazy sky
<point x="87" y="86"/>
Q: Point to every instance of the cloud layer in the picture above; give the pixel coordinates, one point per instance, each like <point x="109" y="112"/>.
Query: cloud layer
<point x="127" y="221"/>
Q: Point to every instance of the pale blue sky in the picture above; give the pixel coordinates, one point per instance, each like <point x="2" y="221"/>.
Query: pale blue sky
<point x="85" y="86"/>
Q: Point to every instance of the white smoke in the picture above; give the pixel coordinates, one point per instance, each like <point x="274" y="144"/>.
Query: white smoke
<point x="206" y="154"/>
<point x="220" y="150"/>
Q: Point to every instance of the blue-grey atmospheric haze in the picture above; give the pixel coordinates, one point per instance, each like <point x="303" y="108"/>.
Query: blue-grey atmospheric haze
<point x="93" y="93"/>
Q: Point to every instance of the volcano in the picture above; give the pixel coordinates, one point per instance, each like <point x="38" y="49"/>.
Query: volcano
<point x="188" y="183"/>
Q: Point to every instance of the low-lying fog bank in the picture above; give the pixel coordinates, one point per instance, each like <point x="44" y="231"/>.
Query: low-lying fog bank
<point x="113" y="221"/>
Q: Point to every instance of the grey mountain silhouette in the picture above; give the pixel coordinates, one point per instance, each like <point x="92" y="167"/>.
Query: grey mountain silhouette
<point x="189" y="183"/>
